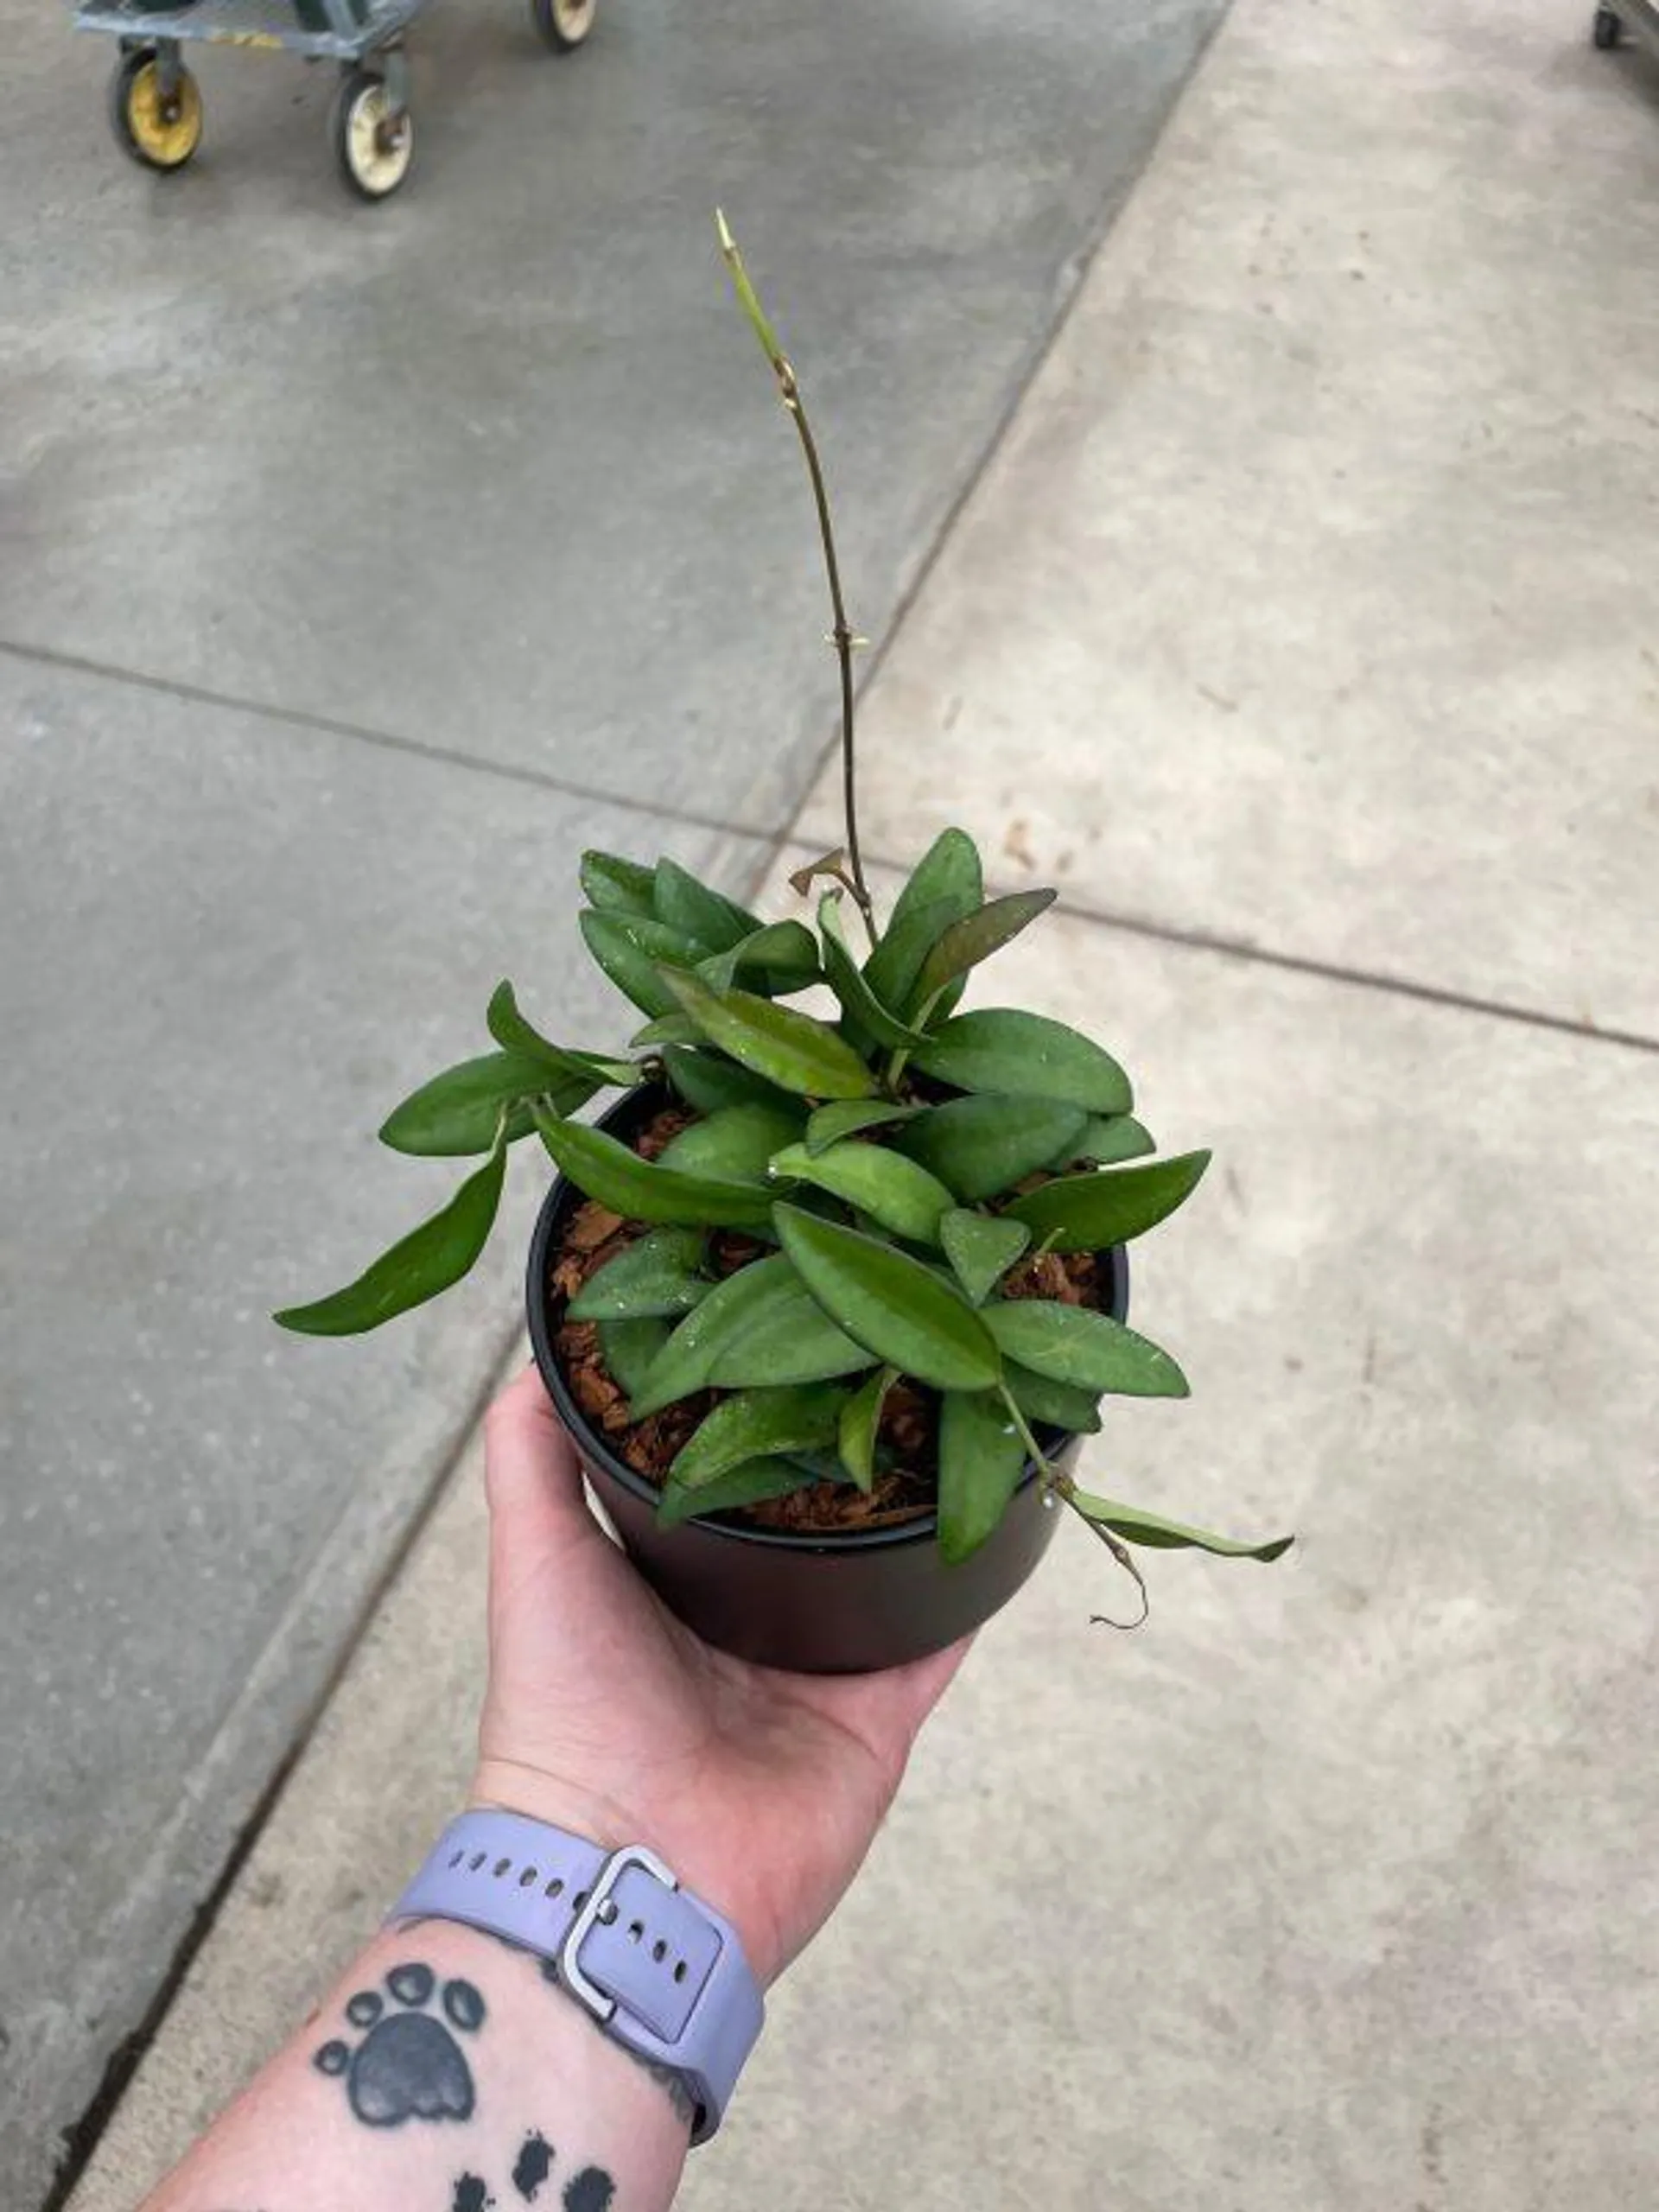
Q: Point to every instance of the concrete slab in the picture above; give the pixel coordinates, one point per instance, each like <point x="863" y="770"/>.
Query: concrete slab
<point x="495" y="465"/>
<point x="229" y="949"/>
<point x="1307" y="604"/>
<point x="1332" y="1886"/>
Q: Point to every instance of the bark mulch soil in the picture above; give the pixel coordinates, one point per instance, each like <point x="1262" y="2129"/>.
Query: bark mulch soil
<point x="902" y="1489"/>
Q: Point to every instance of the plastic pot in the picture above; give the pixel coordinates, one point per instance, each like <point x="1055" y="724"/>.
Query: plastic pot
<point x="839" y="1602"/>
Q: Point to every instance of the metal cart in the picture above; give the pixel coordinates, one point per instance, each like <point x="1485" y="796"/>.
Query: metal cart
<point x="156" y="103"/>
<point x="1615" y="20"/>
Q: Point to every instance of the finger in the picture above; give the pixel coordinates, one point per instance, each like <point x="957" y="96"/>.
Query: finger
<point x="926" y="1680"/>
<point x="531" y="1474"/>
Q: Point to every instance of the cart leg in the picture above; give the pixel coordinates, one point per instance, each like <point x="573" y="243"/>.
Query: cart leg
<point x="397" y="76"/>
<point x="168" y="65"/>
<point x="1606" y="28"/>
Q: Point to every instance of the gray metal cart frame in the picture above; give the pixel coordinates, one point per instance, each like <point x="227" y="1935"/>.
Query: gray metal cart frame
<point x="1615" y="20"/>
<point x="156" y="103"/>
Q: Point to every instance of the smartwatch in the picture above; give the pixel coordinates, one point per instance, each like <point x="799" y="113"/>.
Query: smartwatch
<point x="661" y="1973"/>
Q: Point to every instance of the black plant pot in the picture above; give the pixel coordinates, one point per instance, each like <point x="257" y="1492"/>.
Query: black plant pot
<point x="833" y="1603"/>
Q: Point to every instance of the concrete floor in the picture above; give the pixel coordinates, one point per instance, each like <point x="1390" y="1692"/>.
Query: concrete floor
<point x="1334" y="1887"/>
<point x="357" y="567"/>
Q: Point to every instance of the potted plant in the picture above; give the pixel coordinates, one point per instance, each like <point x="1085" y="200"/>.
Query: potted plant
<point x="825" y="1300"/>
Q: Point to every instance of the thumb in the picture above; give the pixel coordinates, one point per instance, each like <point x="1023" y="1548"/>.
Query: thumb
<point x="531" y="1478"/>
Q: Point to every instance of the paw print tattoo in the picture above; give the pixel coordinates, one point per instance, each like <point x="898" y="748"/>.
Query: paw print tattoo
<point x="590" y="2191"/>
<point x="409" y="2064"/>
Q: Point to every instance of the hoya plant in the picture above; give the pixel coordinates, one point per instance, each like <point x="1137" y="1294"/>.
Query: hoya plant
<point x="914" y="1194"/>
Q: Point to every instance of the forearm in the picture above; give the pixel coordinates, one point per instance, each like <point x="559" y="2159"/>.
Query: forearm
<point x="443" y="2073"/>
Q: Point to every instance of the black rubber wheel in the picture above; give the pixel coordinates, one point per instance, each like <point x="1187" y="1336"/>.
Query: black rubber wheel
<point x="563" y="24"/>
<point x="373" y="147"/>
<point x="1605" y="30"/>
<point x="160" y="130"/>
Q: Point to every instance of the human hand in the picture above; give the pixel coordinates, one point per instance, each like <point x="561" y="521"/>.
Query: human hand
<point x="606" y="1716"/>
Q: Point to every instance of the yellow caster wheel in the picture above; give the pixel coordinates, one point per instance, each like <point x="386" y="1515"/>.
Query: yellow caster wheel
<point x="563" y="23"/>
<point x="374" y="143"/>
<point x="161" y="129"/>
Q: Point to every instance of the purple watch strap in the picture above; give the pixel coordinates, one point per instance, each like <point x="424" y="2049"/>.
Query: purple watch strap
<point x="660" y="1970"/>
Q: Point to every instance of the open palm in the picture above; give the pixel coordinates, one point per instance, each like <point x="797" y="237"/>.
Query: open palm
<point x="605" y="1715"/>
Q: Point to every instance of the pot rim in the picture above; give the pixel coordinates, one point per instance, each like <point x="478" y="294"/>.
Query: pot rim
<point x="923" y="1528"/>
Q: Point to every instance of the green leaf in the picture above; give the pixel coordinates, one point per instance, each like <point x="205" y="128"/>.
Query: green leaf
<point x="858" y="1001"/>
<point x="1151" y="1529"/>
<point x="459" y="1111"/>
<point x="788" y="1048"/>
<point x="861" y="1419"/>
<point x="755" y="1425"/>
<point x="1113" y="1137"/>
<point x="514" y="1034"/>
<point x="1060" y="1405"/>
<point x="745" y="1485"/>
<point x="1106" y="1206"/>
<point x="730" y="1307"/>
<point x="783" y="955"/>
<point x="667" y="1029"/>
<point x="619" y="887"/>
<point x="644" y="1190"/>
<point x="950" y="870"/>
<point x="982" y="1458"/>
<point x="975" y="937"/>
<point x="748" y="298"/>
<point x="790" y="1340"/>
<point x="658" y="1273"/>
<point x="694" y="910"/>
<point x="982" y="1145"/>
<point x="999" y="1049"/>
<point x="890" y="1303"/>
<point x="845" y="1118"/>
<point x="892" y="1191"/>
<point x="1071" y="1344"/>
<point x="708" y="1081"/>
<point x="735" y="1143"/>
<point x="633" y="950"/>
<point x="429" y="1260"/>
<point x="980" y="1249"/>
<point x="629" y="1349"/>
<point x="896" y="962"/>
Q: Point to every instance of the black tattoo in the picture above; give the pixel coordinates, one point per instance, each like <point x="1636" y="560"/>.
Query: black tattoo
<point x="409" y="2064"/>
<point x="591" y="2191"/>
<point x="535" y="2164"/>
<point x="471" y="2196"/>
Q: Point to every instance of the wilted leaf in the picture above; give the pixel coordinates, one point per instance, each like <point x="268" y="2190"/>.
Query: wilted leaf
<point x="890" y="1303"/>
<point x="1151" y="1529"/>
<point x="1106" y="1206"/>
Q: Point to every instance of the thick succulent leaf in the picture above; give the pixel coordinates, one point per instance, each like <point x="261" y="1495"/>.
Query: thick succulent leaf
<point x="845" y="1118"/>
<point x="1071" y="1344"/>
<point x="861" y="1419"/>
<point x="735" y="1142"/>
<point x="982" y="1145"/>
<point x="645" y="1189"/>
<point x="899" y="1310"/>
<point x="1058" y="1405"/>
<point x="1110" y="1138"/>
<point x="667" y="1029"/>
<point x="892" y="1191"/>
<point x="789" y="1048"/>
<point x="694" y="910"/>
<point x="631" y="1348"/>
<point x="429" y="1260"/>
<point x="755" y="1424"/>
<point x="731" y="1307"/>
<point x="896" y="962"/>
<point x="790" y="1340"/>
<point x="858" y="1000"/>
<point x="950" y="870"/>
<point x="618" y="886"/>
<point x="745" y="1485"/>
<point x="460" y="1111"/>
<point x="710" y="1081"/>
<point x="981" y="1250"/>
<point x="1106" y="1206"/>
<point x="515" y="1034"/>
<point x="781" y="957"/>
<point x="999" y="1048"/>
<point x="633" y="950"/>
<point x="976" y="936"/>
<point x="657" y="1274"/>
<point x="1151" y="1529"/>
<point x="982" y="1458"/>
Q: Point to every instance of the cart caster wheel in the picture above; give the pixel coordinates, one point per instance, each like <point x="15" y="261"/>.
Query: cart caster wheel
<point x="374" y="146"/>
<point x="563" y="24"/>
<point x="162" y="130"/>
<point x="1606" y="30"/>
